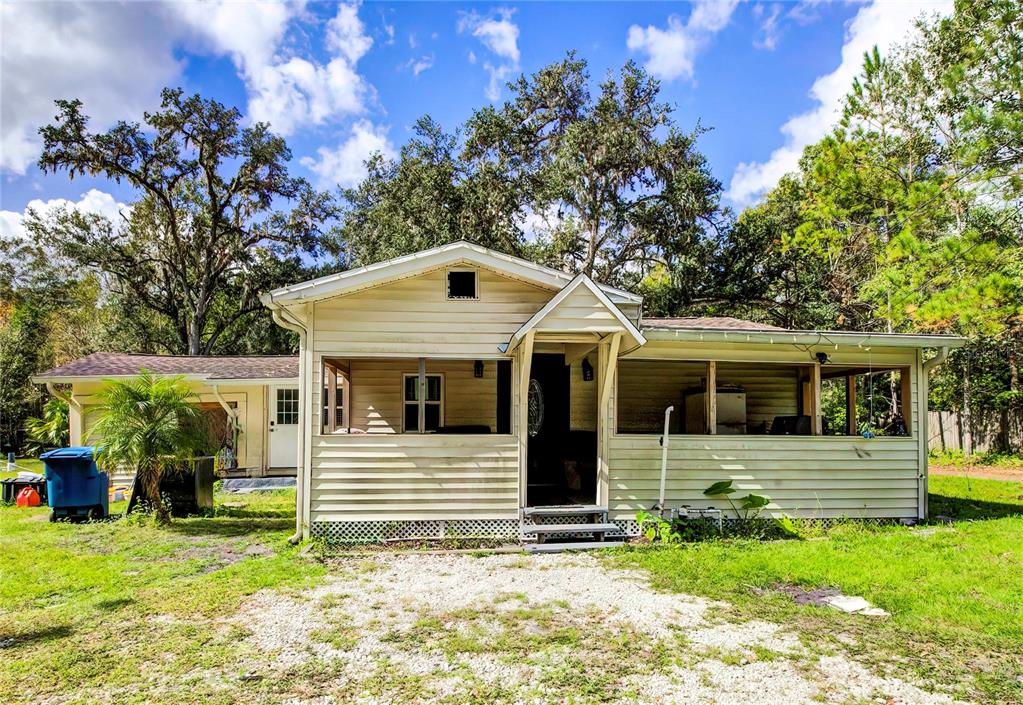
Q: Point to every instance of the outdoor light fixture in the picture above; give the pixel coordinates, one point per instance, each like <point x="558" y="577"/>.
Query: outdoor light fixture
<point x="587" y="371"/>
<point x="822" y="358"/>
<point x="477" y="368"/>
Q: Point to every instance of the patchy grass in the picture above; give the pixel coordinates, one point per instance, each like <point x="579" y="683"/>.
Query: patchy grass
<point x="956" y="458"/>
<point x="955" y="592"/>
<point x="128" y="612"/>
<point x="29" y="464"/>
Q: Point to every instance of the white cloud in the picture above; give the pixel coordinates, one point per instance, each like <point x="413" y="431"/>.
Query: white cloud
<point x="287" y="92"/>
<point x="671" y="52"/>
<point x="500" y="36"/>
<point x="345" y="164"/>
<point x="114" y="57"/>
<point x="881" y="24"/>
<point x="417" y="66"/>
<point x="769" y="29"/>
<point x="12" y="223"/>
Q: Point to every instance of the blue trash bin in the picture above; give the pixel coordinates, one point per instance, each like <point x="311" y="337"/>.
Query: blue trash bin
<point x="75" y="487"/>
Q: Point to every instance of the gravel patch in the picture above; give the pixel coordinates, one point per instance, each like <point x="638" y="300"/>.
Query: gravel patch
<point x="535" y="629"/>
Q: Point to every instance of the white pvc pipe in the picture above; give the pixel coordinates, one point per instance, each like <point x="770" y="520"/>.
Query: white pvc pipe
<point x="664" y="457"/>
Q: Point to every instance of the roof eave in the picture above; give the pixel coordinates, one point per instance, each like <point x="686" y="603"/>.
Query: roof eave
<point x="788" y="337"/>
<point x="370" y="275"/>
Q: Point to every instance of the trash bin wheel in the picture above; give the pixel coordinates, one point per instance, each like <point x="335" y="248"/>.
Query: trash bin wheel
<point x="95" y="513"/>
<point x="53" y="515"/>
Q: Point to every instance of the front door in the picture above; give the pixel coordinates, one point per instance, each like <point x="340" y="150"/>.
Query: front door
<point x="283" y="427"/>
<point x="548" y="425"/>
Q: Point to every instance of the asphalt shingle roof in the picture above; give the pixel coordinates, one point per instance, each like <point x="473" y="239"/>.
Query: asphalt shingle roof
<point x="106" y="364"/>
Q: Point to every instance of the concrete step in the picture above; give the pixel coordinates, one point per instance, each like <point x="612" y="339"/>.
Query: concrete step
<point x="605" y="527"/>
<point x="565" y="510"/>
<point x="569" y="546"/>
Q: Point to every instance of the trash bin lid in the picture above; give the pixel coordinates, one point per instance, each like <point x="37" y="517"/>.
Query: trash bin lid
<point x="68" y="453"/>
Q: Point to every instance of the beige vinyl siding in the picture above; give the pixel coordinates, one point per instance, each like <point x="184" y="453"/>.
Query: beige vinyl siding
<point x="583" y="397"/>
<point x="413" y="317"/>
<point x="803" y="476"/>
<point x="377" y="393"/>
<point x="580" y="312"/>
<point x="647" y="388"/>
<point x="413" y="477"/>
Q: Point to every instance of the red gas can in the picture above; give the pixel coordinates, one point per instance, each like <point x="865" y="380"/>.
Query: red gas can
<point x="28" y="497"/>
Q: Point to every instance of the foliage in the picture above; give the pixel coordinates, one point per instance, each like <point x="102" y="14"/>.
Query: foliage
<point x="149" y="425"/>
<point x="49" y="431"/>
<point x="748" y="507"/>
<point x="207" y="233"/>
<point x="657" y="528"/>
<point x="621" y="187"/>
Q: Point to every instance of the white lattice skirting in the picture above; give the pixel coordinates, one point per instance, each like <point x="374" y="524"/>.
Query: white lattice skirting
<point x="373" y="531"/>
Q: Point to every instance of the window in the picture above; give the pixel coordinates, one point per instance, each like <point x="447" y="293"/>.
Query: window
<point x="433" y="406"/>
<point x="335" y="389"/>
<point x="287" y="406"/>
<point x="462" y="284"/>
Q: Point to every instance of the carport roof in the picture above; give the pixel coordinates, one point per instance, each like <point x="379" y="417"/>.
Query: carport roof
<point x="100" y="365"/>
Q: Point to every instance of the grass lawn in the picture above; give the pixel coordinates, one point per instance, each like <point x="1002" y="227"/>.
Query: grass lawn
<point x="135" y="611"/>
<point x="955" y="592"/>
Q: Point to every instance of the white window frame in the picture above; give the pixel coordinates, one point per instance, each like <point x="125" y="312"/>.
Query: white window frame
<point x="405" y="402"/>
<point x="447" y="285"/>
<point x="330" y="424"/>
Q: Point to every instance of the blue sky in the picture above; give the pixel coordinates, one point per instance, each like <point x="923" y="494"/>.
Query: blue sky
<point x="340" y="80"/>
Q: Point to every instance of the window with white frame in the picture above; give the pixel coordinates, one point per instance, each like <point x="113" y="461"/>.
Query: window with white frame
<point x="433" y="404"/>
<point x="287" y="406"/>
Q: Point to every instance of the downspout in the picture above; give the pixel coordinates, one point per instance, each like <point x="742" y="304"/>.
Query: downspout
<point x="293" y="325"/>
<point x="66" y="398"/>
<point x="72" y="403"/>
<point x="231" y="414"/>
<point x="936" y="360"/>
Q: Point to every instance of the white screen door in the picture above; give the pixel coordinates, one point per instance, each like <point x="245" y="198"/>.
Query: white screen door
<point x="283" y="427"/>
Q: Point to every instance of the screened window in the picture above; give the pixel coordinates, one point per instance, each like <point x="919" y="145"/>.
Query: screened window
<point x="462" y="284"/>
<point x="287" y="406"/>
<point x="433" y="405"/>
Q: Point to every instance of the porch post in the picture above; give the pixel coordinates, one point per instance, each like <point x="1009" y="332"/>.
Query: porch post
<point x="421" y="396"/>
<point x="605" y="415"/>
<point x="906" y="399"/>
<point x="331" y="374"/>
<point x="815" y="400"/>
<point x="525" y="351"/>
<point x="710" y="398"/>
<point x="850" y="405"/>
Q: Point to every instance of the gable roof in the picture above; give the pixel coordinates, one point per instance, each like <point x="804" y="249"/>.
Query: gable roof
<point x="101" y="365"/>
<point x="581" y="281"/>
<point x="411" y="265"/>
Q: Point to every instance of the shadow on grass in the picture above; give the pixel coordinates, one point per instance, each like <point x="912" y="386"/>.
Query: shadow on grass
<point x="41" y="635"/>
<point x="115" y="604"/>
<point x="229" y="526"/>
<point x="964" y="508"/>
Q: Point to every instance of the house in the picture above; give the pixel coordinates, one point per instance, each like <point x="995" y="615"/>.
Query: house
<point x="253" y="401"/>
<point x="460" y="391"/>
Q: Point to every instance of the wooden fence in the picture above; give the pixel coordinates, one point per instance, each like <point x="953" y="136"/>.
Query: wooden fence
<point x="992" y="430"/>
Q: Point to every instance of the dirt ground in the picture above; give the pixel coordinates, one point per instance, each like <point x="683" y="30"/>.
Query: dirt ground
<point x="983" y="472"/>
<point x="535" y="629"/>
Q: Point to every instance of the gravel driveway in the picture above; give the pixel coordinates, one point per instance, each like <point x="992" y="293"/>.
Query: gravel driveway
<point x="533" y="629"/>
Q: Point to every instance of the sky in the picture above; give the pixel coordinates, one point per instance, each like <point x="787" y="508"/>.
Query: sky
<point x="340" y="81"/>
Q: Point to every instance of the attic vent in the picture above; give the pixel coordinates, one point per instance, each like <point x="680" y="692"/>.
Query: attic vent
<point x="462" y="284"/>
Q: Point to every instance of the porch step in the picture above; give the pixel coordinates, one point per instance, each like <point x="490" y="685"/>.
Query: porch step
<point x="565" y="510"/>
<point x="606" y="527"/>
<point x="570" y="546"/>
